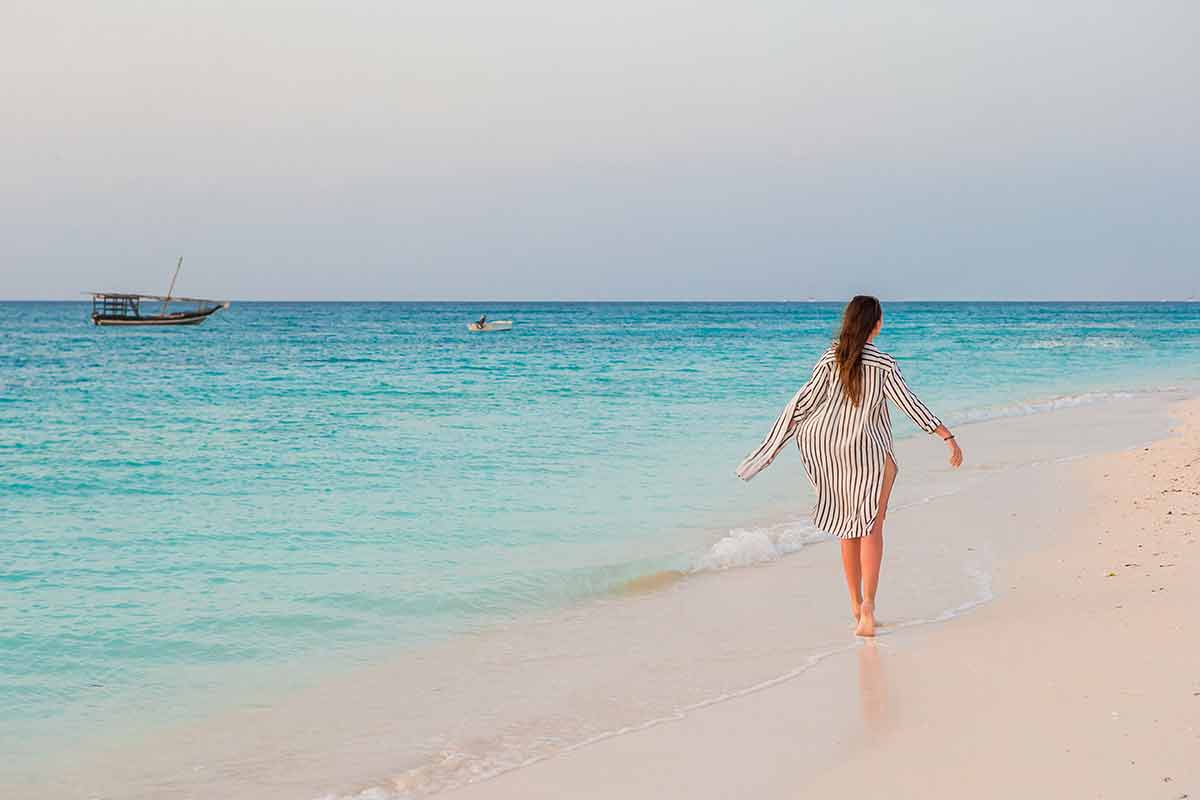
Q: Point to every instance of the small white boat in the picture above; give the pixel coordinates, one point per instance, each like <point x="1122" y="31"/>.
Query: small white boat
<point x="487" y="327"/>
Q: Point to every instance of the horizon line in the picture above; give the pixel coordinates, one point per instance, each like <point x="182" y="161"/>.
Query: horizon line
<point x="710" y="301"/>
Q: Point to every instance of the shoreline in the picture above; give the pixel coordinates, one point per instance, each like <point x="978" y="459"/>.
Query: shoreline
<point x="659" y="626"/>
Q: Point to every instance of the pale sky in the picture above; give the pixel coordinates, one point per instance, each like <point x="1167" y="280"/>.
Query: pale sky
<point x="630" y="149"/>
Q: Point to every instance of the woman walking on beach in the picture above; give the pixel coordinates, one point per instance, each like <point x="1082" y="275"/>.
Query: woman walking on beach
<point x="841" y="423"/>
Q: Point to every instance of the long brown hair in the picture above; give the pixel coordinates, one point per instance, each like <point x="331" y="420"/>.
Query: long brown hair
<point x="858" y="320"/>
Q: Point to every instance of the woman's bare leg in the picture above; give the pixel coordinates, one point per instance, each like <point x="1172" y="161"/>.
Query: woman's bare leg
<point x="872" y="554"/>
<point x="852" y="566"/>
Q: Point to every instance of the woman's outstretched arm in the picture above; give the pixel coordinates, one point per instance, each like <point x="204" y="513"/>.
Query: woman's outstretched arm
<point x="898" y="392"/>
<point x="801" y="405"/>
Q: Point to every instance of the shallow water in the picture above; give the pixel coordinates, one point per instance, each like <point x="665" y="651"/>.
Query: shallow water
<point x="290" y="489"/>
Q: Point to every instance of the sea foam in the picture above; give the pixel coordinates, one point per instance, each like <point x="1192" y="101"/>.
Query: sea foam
<point x="743" y="547"/>
<point x="1043" y="406"/>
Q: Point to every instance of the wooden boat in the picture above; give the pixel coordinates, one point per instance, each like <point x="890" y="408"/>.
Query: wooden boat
<point x="488" y="327"/>
<point x="117" y="308"/>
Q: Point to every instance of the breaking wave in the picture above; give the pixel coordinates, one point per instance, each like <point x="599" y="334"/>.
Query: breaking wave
<point x="743" y="547"/>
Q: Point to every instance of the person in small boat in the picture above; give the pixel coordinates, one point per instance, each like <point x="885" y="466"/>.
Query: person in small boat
<point x="479" y="323"/>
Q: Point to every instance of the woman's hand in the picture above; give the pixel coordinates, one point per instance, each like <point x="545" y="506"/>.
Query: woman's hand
<point x="948" y="438"/>
<point x="955" y="453"/>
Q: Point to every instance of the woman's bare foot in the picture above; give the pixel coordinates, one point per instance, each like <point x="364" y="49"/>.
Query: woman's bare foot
<point x="857" y="609"/>
<point x="866" y="620"/>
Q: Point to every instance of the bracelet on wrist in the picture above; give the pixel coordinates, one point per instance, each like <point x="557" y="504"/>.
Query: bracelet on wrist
<point x="947" y="438"/>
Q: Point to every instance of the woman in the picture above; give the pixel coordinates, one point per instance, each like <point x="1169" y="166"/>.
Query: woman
<point x="841" y="423"/>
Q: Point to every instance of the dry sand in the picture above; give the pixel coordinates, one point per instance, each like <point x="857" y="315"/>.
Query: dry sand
<point x="1080" y="680"/>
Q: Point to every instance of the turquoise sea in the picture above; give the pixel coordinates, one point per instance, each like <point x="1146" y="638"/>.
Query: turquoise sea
<point x="292" y="488"/>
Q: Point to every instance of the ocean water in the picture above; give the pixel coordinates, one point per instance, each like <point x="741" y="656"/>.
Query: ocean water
<point x="291" y="488"/>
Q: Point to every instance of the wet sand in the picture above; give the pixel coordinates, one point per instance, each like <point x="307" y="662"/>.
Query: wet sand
<point x="1081" y="679"/>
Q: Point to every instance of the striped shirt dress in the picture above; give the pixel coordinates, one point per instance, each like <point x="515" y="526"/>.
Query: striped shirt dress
<point x="844" y="446"/>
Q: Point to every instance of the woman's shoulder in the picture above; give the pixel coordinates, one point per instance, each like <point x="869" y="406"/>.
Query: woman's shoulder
<point x="872" y="356"/>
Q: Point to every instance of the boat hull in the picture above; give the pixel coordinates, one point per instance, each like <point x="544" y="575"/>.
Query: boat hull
<point x="170" y="319"/>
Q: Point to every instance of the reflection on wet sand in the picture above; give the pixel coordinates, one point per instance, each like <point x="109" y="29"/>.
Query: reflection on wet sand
<point x="650" y="583"/>
<point x="872" y="687"/>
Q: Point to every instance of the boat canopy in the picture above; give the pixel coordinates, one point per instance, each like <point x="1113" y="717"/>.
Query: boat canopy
<point x="126" y="296"/>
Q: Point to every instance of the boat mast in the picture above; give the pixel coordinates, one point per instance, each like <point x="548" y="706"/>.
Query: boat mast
<point x="174" y="277"/>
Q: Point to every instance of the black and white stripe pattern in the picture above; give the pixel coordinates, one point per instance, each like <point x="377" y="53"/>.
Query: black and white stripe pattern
<point x="844" y="446"/>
